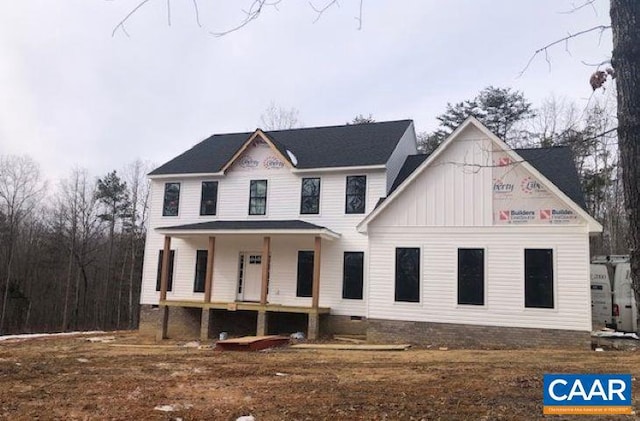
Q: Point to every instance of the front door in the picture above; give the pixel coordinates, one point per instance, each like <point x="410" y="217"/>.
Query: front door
<point x="250" y="277"/>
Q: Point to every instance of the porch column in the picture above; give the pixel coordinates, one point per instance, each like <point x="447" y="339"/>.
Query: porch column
<point x="315" y="289"/>
<point x="266" y="248"/>
<point x="164" y="274"/>
<point x="208" y="277"/>
<point x="262" y="327"/>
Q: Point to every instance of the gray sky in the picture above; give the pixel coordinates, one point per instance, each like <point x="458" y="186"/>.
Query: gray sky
<point x="71" y="94"/>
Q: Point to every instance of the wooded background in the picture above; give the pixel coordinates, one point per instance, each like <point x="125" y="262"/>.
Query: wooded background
<point x="71" y="252"/>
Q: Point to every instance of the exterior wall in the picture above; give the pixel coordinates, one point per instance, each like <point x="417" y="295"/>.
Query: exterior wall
<point x="283" y="203"/>
<point x="406" y="146"/>
<point x="472" y="336"/>
<point x="504" y="276"/>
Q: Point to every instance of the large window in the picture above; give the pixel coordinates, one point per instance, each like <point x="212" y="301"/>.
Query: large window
<point x="170" y="278"/>
<point x="538" y="278"/>
<point x="310" y="196"/>
<point x="304" y="285"/>
<point x="171" y="199"/>
<point x="408" y="275"/>
<point x="471" y="276"/>
<point x="356" y="194"/>
<point x="201" y="271"/>
<point x="209" y="198"/>
<point x="352" y="275"/>
<point x="258" y="197"/>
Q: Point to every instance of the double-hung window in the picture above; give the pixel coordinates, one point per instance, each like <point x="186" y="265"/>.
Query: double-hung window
<point x="538" y="278"/>
<point x="356" y="194"/>
<point x="209" y="198"/>
<point x="171" y="199"/>
<point x="471" y="276"/>
<point x="310" y="196"/>
<point x="258" y="197"/>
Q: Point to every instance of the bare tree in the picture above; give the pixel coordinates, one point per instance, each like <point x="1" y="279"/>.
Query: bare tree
<point x="20" y="190"/>
<point x="279" y="118"/>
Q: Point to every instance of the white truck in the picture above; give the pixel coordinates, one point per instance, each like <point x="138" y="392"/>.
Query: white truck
<point x="615" y="299"/>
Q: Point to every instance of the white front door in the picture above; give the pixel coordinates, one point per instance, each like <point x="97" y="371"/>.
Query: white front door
<point x="250" y="277"/>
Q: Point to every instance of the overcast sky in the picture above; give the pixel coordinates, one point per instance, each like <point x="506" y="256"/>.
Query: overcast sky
<point x="73" y="95"/>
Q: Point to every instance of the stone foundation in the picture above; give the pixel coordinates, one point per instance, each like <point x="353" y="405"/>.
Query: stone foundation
<point x="472" y="336"/>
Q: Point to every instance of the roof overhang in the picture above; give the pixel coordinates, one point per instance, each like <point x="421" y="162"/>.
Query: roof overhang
<point x="185" y="175"/>
<point x="191" y="230"/>
<point x="379" y="167"/>
<point x="593" y="226"/>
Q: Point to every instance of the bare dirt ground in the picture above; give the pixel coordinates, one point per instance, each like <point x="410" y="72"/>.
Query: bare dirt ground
<point x="72" y="379"/>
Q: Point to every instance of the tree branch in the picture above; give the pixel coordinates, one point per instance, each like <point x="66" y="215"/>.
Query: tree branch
<point x="546" y="48"/>
<point x="120" y="24"/>
<point x="250" y="15"/>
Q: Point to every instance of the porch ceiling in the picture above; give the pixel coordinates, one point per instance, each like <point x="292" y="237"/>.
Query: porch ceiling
<point x="249" y="227"/>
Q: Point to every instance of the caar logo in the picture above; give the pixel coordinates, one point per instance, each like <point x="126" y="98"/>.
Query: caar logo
<point x="590" y="394"/>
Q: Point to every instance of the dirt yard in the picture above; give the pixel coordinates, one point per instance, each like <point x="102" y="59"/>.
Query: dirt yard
<point x="71" y="378"/>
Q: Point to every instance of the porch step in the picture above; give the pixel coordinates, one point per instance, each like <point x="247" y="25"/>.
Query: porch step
<point x="252" y="343"/>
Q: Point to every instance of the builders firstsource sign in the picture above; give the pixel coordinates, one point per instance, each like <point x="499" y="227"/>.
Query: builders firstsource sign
<point x="589" y="394"/>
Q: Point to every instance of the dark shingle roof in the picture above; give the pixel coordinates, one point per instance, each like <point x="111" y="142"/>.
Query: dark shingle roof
<point x="315" y="147"/>
<point x="248" y="225"/>
<point x="555" y="163"/>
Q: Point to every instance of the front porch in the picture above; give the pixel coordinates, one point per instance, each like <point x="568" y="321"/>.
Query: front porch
<point x="261" y="267"/>
<point x="262" y="310"/>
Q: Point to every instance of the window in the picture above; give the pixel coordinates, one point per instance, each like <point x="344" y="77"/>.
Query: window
<point x="171" y="199"/>
<point x="310" y="196"/>
<point x="305" y="274"/>
<point x="258" y="197"/>
<point x="408" y="275"/>
<point x="201" y="270"/>
<point x="356" y="193"/>
<point x="170" y="278"/>
<point x="209" y="198"/>
<point x="538" y="278"/>
<point x="471" y="276"/>
<point x="352" y="275"/>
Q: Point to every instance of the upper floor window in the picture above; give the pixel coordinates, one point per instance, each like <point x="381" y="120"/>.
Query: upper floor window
<point x="209" y="198"/>
<point x="171" y="199"/>
<point x="471" y="276"/>
<point x="310" y="196"/>
<point x="356" y="194"/>
<point x="258" y="197"/>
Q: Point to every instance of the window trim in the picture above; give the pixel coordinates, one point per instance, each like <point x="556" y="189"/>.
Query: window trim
<point x="484" y="277"/>
<point x="302" y="195"/>
<point x="164" y="199"/>
<point x="395" y="276"/>
<point x="266" y="194"/>
<point x="347" y="195"/>
<point x="554" y="270"/>
<point x="215" y="205"/>
<point x="344" y="266"/>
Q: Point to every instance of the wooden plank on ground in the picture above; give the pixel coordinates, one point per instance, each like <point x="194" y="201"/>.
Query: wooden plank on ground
<point x="353" y="347"/>
<point x="252" y="343"/>
<point x="349" y="339"/>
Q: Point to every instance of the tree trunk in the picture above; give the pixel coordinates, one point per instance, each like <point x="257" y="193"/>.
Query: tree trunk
<point x="625" y="24"/>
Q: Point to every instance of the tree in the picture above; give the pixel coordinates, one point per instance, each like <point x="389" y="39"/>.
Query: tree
<point x="361" y="119"/>
<point x="497" y="108"/>
<point x="625" y="19"/>
<point x="279" y="118"/>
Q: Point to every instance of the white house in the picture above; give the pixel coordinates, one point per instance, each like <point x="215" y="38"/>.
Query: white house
<point x="346" y="229"/>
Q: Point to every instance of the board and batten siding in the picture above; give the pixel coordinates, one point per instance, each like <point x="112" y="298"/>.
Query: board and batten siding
<point x="504" y="276"/>
<point x="283" y="203"/>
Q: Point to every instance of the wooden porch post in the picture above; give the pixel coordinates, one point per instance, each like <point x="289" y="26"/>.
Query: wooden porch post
<point x="164" y="274"/>
<point x="266" y="248"/>
<point x="315" y="289"/>
<point x="208" y="277"/>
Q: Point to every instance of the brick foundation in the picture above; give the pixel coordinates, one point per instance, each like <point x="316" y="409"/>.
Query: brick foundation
<point x="472" y="336"/>
<point x="342" y="325"/>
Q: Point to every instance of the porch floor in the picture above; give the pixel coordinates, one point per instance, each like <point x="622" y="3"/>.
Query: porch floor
<point x="244" y="305"/>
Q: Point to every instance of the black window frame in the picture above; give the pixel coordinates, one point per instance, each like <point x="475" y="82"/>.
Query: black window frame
<point x="313" y="199"/>
<point x="304" y="273"/>
<point x="200" y="274"/>
<point x="350" y="194"/>
<point x="353" y="276"/>
<point x="534" y="287"/>
<point x="253" y="197"/>
<point x="167" y="206"/>
<point x="208" y="205"/>
<point x="407" y="285"/>
<point x="172" y="256"/>
<point x="471" y="285"/>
